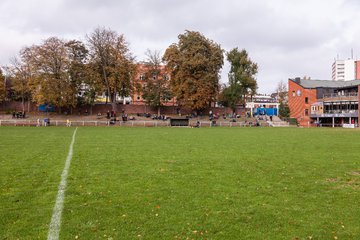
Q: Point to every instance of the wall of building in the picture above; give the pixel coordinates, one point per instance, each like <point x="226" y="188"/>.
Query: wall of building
<point x="359" y="98"/>
<point x="349" y="69"/>
<point x="297" y="103"/>
<point x="346" y="70"/>
<point x="357" y="69"/>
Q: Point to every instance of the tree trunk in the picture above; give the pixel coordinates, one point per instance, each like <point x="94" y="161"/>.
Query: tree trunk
<point x="113" y="106"/>
<point x="23" y="103"/>
<point x="159" y="109"/>
<point x="107" y="84"/>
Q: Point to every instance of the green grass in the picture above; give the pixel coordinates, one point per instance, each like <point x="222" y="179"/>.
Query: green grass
<point x="175" y="183"/>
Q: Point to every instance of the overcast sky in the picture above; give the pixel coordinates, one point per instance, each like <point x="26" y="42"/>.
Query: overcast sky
<point x="286" y="38"/>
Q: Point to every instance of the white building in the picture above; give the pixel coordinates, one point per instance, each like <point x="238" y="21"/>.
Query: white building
<point x="344" y="70"/>
<point x="269" y="105"/>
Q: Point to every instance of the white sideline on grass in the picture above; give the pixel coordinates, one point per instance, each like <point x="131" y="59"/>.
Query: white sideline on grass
<point x="55" y="224"/>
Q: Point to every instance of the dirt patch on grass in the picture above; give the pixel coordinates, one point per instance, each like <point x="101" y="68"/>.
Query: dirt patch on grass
<point x="331" y="180"/>
<point x="355" y="173"/>
<point x="350" y="180"/>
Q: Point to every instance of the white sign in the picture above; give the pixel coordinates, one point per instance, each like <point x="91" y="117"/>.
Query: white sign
<point x="348" y="125"/>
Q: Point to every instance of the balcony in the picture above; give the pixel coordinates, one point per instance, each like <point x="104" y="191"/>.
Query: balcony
<point x="336" y="113"/>
<point x="336" y="97"/>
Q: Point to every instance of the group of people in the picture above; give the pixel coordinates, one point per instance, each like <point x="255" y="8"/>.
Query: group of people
<point x="20" y="114"/>
<point x="46" y="122"/>
<point x="159" y="117"/>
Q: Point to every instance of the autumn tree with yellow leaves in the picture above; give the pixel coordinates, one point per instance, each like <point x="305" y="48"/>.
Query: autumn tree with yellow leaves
<point x="2" y="87"/>
<point x="195" y="63"/>
<point x="113" y="62"/>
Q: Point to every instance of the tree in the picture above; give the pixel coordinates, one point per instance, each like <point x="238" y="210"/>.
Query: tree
<point x="52" y="82"/>
<point x="2" y="87"/>
<point x="157" y="90"/>
<point x="281" y="92"/>
<point x="284" y="110"/>
<point x="242" y="81"/>
<point x="194" y="63"/>
<point x="230" y="97"/>
<point x="80" y="73"/>
<point x="21" y="73"/>
<point x="111" y="58"/>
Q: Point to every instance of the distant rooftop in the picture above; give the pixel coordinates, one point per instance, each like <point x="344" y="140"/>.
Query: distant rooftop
<point x="306" y="83"/>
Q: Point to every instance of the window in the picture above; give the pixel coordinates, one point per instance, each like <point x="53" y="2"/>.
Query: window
<point x="306" y="112"/>
<point x="306" y="100"/>
<point x="293" y="93"/>
<point x="142" y="77"/>
<point x="138" y="98"/>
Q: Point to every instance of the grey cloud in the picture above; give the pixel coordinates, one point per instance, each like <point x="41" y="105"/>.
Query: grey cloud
<point x="286" y="38"/>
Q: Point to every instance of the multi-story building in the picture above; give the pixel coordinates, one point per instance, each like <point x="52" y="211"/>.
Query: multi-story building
<point x="346" y="70"/>
<point x="139" y="83"/>
<point x="331" y="103"/>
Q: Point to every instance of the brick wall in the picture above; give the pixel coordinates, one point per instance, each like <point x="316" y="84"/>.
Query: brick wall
<point x="17" y="106"/>
<point x="297" y="103"/>
<point x="166" y="110"/>
<point x="130" y="109"/>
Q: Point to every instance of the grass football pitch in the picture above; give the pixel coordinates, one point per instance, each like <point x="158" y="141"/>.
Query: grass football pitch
<point x="182" y="183"/>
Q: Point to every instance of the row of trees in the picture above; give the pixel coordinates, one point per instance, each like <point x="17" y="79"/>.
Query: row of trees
<point x="55" y="71"/>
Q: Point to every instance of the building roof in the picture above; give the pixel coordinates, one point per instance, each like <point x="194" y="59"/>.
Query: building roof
<point x="306" y="83"/>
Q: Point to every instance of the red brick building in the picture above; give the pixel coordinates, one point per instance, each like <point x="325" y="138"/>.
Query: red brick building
<point x="139" y="83"/>
<point x="325" y="102"/>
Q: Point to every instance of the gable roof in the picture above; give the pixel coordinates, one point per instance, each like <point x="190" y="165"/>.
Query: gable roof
<point x="306" y="83"/>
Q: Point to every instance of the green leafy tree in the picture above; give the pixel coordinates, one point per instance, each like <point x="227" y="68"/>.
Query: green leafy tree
<point x="229" y="96"/>
<point x="242" y="81"/>
<point x="284" y="110"/>
<point x="194" y="63"/>
<point x="157" y="90"/>
<point x="281" y="92"/>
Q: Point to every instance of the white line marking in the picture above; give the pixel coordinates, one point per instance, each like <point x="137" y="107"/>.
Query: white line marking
<point x="54" y="228"/>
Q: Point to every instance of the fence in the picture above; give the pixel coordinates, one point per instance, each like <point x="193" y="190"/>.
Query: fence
<point x="24" y="122"/>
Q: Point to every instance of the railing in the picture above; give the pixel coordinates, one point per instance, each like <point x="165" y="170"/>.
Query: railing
<point x="336" y="113"/>
<point x="341" y="111"/>
<point x="336" y="97"/>
<point x="23" y="122"/>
